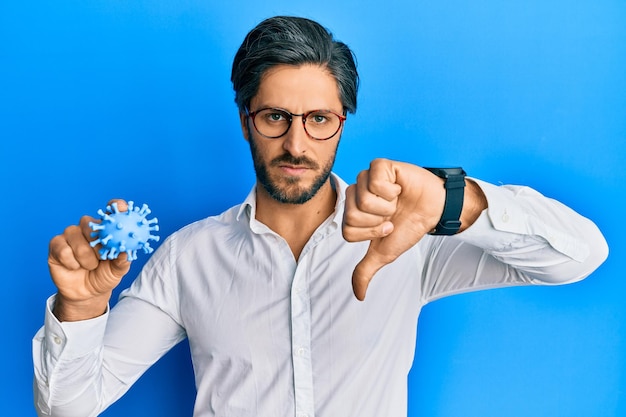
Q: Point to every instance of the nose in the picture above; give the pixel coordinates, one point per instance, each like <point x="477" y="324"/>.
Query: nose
<point x="296" y="139"/>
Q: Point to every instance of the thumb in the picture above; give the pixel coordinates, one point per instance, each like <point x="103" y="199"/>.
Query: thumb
<point x="108" y="274"/>
<point x="365" y="271"/>
<point x="119" y="266"/>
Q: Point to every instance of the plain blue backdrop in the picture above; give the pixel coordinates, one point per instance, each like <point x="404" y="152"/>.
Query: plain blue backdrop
<point x="112" y="98"/>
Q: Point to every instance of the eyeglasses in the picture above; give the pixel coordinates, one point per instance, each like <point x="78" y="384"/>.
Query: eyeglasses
<point x="318" y="124"/>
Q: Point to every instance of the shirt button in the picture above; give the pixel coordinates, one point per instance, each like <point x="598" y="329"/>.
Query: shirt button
<point x="505" y="217"/>
<point x="300" y="351"/>
<point x="56" y="339"/>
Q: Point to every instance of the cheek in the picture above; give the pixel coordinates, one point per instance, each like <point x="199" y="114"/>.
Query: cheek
<point x="261" y="152"/>
<point x="332" y="154"/>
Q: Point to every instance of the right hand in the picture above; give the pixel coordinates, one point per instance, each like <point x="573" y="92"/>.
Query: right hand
<point x="84" y="281"/>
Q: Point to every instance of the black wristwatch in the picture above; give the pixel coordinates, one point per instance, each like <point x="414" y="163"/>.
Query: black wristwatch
<point x="454" y="184"/>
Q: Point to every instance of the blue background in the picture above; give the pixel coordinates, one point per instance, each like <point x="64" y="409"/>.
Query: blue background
<point x="132" y="99"/>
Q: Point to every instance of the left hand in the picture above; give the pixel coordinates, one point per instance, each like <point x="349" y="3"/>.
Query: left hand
<point x="393" y="204"/>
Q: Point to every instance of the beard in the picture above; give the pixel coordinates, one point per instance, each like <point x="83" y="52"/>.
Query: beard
<point x="291" y="191"/>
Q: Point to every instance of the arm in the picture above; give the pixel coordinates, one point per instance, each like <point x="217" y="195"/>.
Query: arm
<point x="394" y="205"/>
<point x="523" y="238"/>
<point x="86" y="357"/>
<point x="82" y="367"/>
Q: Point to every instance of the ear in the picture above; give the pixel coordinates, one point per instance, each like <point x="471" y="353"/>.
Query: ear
<point x="244" y="126"/>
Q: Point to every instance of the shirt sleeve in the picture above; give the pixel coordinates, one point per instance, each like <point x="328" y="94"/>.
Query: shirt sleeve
<point x="522" y="238"/>
<point x="82" y="367"/>
<point x="63" y="356"/>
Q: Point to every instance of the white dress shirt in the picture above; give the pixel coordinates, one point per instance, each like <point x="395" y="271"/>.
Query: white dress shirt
<point x="272" y="337"/>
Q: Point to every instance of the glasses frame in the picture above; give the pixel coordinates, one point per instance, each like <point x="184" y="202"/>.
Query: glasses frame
<point x="252" y="115"/>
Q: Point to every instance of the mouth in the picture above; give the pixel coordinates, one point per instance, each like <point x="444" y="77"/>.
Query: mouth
<point x="293" y="170"/>
<point x="292" y="166"/>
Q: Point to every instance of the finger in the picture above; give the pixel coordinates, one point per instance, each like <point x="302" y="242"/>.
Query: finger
<point x="358" y="225"/>
<point x="120" y="266"/>
<point x="352" y="216"/>
<point x="365" y="270"/>
<point x="60" y="253"/>
<point x="382" y="180"/>
<point x="122" y="205"/>
<point x="378" y="199"/>
<point x="362" y="233"/>
<point x="109" y="274"/>
<point x="112" y="205"/>
<point x="380" y="253"/>
<point x="82" y="251"/>
<point x="85" y="227"/>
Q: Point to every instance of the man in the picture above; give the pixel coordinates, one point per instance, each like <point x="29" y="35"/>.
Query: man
<point x="269" y="292"/>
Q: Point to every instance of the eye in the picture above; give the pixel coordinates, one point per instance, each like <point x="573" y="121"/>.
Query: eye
<point x="319" y="118"/>
<point x="274" y="116"/>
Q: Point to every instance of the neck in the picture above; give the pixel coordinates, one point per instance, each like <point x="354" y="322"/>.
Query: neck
<point x="295" y="223"/>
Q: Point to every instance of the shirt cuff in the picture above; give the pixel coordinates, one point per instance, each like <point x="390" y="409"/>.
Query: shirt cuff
<point x="73" y="339"/>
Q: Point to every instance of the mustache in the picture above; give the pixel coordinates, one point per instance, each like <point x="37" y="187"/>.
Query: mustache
<point x="293" y="160"/>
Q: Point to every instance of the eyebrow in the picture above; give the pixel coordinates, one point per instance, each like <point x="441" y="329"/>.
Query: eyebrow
<point x="307" y="111"/>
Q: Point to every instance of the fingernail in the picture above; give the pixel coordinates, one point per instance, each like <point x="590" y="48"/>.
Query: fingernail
<point x="387" y="228"/>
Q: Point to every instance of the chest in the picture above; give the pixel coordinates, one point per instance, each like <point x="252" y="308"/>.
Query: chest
<point x="258" y="319"/>
<point x="258" y="299"/>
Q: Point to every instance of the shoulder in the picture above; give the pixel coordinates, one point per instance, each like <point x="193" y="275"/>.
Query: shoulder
<point x="212" y="226"/>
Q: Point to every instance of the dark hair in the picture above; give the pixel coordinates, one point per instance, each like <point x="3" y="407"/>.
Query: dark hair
<point x="292" y="41"/>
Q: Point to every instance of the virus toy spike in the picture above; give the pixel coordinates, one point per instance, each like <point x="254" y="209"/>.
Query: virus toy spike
<point x="124" y="232"/>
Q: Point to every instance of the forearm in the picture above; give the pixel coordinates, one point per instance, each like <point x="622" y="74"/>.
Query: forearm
<point x="522" y="238"/>
<point x="82" y="367"/>
<point x="538" y="235"/>
<point x="68" y="362"/>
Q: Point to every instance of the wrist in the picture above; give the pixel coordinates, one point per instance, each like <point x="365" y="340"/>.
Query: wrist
<point x="65" y="309"/>
<point x="474" y="204"/>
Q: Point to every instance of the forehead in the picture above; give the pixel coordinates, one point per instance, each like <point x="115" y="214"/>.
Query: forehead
<point x="298" y="89"/>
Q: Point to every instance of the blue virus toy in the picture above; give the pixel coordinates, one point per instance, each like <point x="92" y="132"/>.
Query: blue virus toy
<point x="127" y="231"/>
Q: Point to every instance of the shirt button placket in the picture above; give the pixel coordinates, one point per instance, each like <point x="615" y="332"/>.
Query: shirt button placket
<point x="301" y="341"/>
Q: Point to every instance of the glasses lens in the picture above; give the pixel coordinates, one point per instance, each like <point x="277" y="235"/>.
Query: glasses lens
<point x="272" y="123"/>
<point x="322" y="124"/>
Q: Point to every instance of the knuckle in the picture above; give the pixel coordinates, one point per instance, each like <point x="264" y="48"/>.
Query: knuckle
<point x="84" y="251"/>
<point x="350" y="193"/>
<point x="366" y="203"/>
<point x="351" y="233"/>
<point x="369" y="203"/>
<point x="70" y="230"/>
<point x="347" y="234"/>
<point x="83" y="256"/>
<point x="56" y="244"/>
<point x="378" y="185"/>
<point x="65" y="256"/>
<point x="85" y="220"/>
<point x="350" y="217"/>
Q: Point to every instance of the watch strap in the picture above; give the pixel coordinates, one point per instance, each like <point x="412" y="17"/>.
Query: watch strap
<point x="454" y="183"/>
